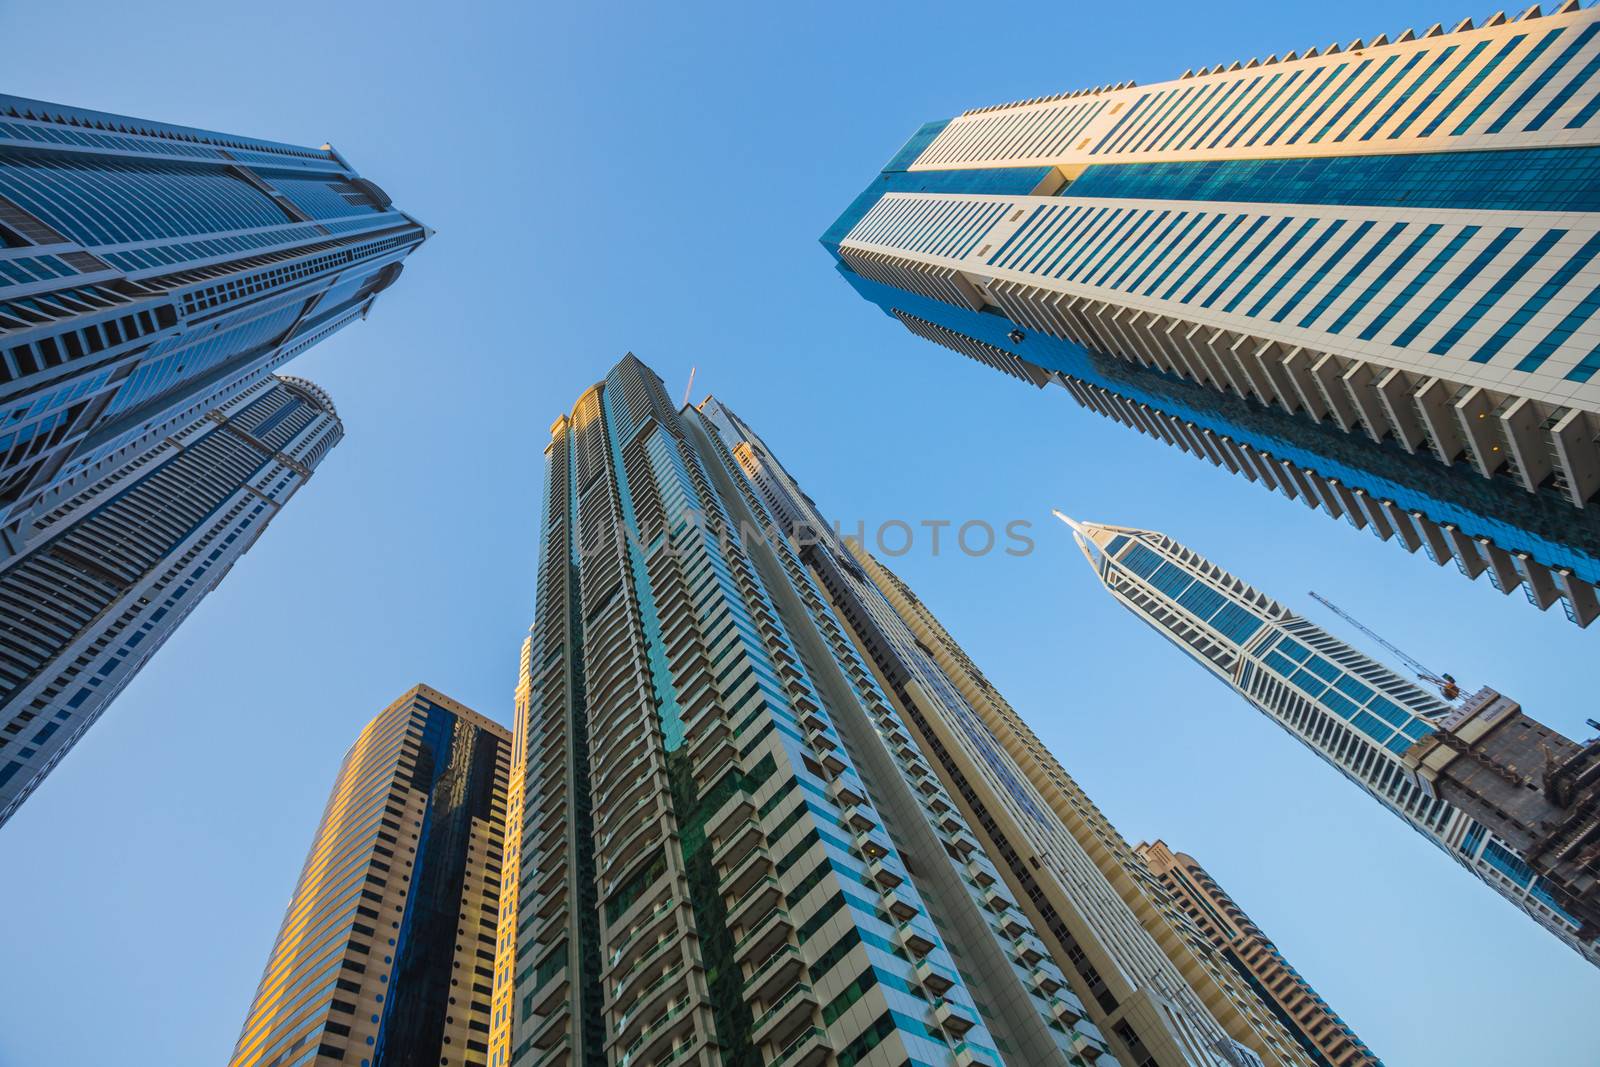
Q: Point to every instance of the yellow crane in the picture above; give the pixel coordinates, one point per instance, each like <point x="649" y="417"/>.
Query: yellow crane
<point x="1447" y="686"/>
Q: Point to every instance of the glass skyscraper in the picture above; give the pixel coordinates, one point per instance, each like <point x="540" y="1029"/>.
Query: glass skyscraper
<point x="1354" y="712"/>
<point x="150" y="273"/>
<point x="385" y="957"/>
<point x="112" y="569"/>
<point x="1363" y="275"/>
<point x="733" y="848"/>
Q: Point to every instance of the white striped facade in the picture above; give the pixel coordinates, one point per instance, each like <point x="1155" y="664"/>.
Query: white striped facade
<point x="1506" y="84"/>
<point x="1352" y="711"/>
<point x="1355" y="315"/>
<point x="1397" y="239"/>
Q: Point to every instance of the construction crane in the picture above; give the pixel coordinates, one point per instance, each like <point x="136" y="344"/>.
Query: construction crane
<point x="1448" y="687"/>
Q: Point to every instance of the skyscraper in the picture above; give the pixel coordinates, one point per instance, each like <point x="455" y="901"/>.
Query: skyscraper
<point x="150" y="273"/>
<point x="1145" y="973"/>
<point x="1324" y="1035"/>
<point x="111" y="570"/>
<point x="1362" y="275"/>
<point x="1354" y="712"/>
<point x="1535" y="789"/>
<point x="732" y="849"/>
<point x="386" y="952"/>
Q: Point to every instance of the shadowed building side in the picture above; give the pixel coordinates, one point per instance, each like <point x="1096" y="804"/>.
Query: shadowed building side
<point x="386" y="953"/>
<point x="152" y="272"/>
<point x="112" y="571"/>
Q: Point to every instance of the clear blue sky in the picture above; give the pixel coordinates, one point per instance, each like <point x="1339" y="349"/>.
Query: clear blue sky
<point x="654" y="177"/>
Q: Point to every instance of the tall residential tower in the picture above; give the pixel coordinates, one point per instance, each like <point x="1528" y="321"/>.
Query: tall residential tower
<point x="150" y="273"/>
<point x="1363" y="275"/>
<point x="732" y="848"/>
<point x="1328" y="1038"/>
<point x="1354" y="712"/>
<point x="386" y="954"/>
<point x="115" y="566"/>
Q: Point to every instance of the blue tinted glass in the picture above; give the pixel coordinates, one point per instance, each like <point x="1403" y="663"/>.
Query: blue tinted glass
<point x="1171" y="579"/>
<point x="1293" y="649"/>
<point x="1353" y="689"/>
<point x="1202" y="600"/>
<point x="1543" y="179"/>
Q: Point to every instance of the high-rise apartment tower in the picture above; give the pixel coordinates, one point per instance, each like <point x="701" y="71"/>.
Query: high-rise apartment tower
<point x="732" y="849"/>
<point x="1325" y="1036"/>
<point x="386" y="954"/>
<point x="1354" y="712"/>
<point x="116" y="565"/>
<point x="1363" y="275"/>
<point x="150" y="273"/>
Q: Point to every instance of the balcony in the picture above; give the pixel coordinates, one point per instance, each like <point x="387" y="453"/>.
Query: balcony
<point x="1028" y="950"/>
<point x="765" y="934"/>
<point x="1011" y="924"/>
<point x="675" y="1021"/>
<point x="969" y="1055"/>
<point x="898" y="905"/>
<point x="1046" y="979"/>
<point x="808" y="1049"/>
<point x="980" y="873"/>
<point x="932" y="977"/>
<point x="951" y="1017"/>
<point x="551" y="996"/>
<point x="557" y="1055"/>
<point x="914" y="940"/>
<point x="844" y="792"/>
<point x="794" y="1009"/>
<point x="857" y="819"/>
<point x="1085" y="1046"/>
<point x="713" y="754"/>
<point x="619" y="824"/>
<point x="553" y="1030"/>
<point x="885" y="872"/>
<point x="765" y="893"/>
<point x="619" y="859"/>
<point x="1066" y="1012"/>
<point x="634" y="947"/>
<point x="732" y="850"/>
<point x="650" y="997"/>
<point x="737" y="806"/>
<point x="773" y="973"/>
<point x="994" y="900"/>
<point x="870" y="847"/>
<point x="753" y="867"/>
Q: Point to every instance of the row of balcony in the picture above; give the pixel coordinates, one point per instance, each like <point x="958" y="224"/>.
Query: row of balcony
<point x="1442" y="542"/>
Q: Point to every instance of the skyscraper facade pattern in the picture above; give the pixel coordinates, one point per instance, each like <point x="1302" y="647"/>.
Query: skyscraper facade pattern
<point x="110" y="572"/>
<point x="1326" y="1037"/>
<point x="385" y="957"/>
<point x="1362" y="275"/>
<point x="1357" y="714"/>
<point x="1144" y="974"/>
<point x="151" y="272"/>
<point x="731" y="852"/>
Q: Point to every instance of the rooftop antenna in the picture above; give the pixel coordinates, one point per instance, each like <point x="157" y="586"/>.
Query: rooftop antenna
<point x="1448" y="687"/>
<point x="688" y="388"/>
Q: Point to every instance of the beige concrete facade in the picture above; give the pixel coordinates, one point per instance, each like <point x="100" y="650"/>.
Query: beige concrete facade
<point x="388" y="941"/>
<point x="1226" y="926"/>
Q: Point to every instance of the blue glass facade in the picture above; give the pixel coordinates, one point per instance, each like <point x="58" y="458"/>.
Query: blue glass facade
<point x="1545" y="527"/>
<point x="149" y="271"/>
<point x="1375" y="265"/>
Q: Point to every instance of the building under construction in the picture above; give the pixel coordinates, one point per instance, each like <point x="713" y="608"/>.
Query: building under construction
<point x="1532" y="787"/>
